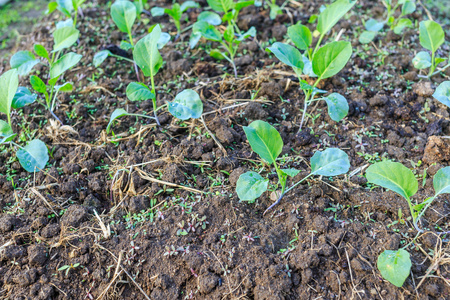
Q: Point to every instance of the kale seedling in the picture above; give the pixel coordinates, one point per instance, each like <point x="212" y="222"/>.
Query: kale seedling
<point x="34" y="156"/>
<point x="67" y="7"/>
<point x="431" y="38"/>
<point x="323" y="62"/>
<point x="175" y="12"/>
<point x="397" y="25"/>
<point x="266" y="141"/>
<point x="24" y="61"/>
<point x="395" y="265"/>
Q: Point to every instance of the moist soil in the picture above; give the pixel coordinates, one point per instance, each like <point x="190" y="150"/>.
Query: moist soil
<point x="173" y="226"/>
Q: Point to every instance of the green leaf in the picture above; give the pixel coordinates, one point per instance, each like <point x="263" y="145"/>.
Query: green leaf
<point x="66" y="87"/>
<point x="300" y="36"/>
<point x="422" y="60"/>
<point x="331" y="162"/>
<point x="66" y="23"/>
<point x="331" y="58"/>
<point x="163" y="40"/>
<point x="374" y="25"/>
<point x="402" y="24"/>
<point x="290" y="172"/>
<point x="264" y="140"/>
<point x="221" y="5"/>
<point x="52" y="6"/>
<point x="100" y="57"/>
<point x="442" y="93"/>
<point x="38" y="85"/>
<point x="41" y="51"/>
<point x="249" y="33"/>
<point x="65" y="267"/>
<point x="287" y="54"/>
<point x="408" y="7"/>
<point x="210" y="18"/>
<point x="367" y="36"/>
<point x="6" y="132"/>
<point x="394" y="266"/>
<point x="219" y="55"/>
<point x="194" y="38"/>
<point x="250" y="186"/>
<point x="228" y="34"/>
<point x="307" y="67"/>
<point x="63" y="64"/>
<point x="393" y="176"/>
<point x="146" y="54"/>
<point x="65" y="6"/>
<point x="157" y="11"/>
<point x="137" y="91"/>
<point x="441" y="181"/>
<point x="34" y="156"/>
<point x="188" y="4"/>
<point x="119" y="112"/>
<point x="23" y="61"/>
<point x="175" y="12"/>
<point x="123" y="14"/>
<point x="9" y="82"/>
<point x="186" y="105"/>
<point x="124" y="45"/>
<point x="337" y="106"/>
<point x="64" y="38"/>
<point x="207" y="30"/>
<point x="431" y="35"/>
<point x="332" y="14"/>
<point x="22" y="97"/>
<point x="241" y="4"/>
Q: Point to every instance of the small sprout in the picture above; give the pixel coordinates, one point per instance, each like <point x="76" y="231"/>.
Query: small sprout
<point x="248" y="237"/>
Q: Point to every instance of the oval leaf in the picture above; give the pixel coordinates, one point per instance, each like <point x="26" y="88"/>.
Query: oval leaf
<point x="41" y="51"/>
<point x="210" y="18"/>
<point x="23" y="97"/>
<point x="146" y="53"/>
<point x="287" y="54"/>
<point x="337" y="106"/>
<point x="431" y="35"/>
<point x="34" y="156"/>
<point x="367" y="36"/>
<point x="331" y="162"/>
<point x="100" y="57"/>
<point x="332" y="14"/>
<point x="65" y="87"/>
<point x="37" y="84"/>
<point x="422" y="60"/>
<point x="300" y="36"/>
<point x="137" y="91"/>
<point x="402" y="24"/>
<point x="6" y="132"/>
<point x="207" y="30"/>
<point x="186" y="105"/>
<point x="9" y="82"/>
<point x="264" y="140"/>
<point x="441" y="181"/>
<point x="64" y="63"/>
<point x="123" y="14"/>
<point x="119" y="112"/>
<point x="23" y="61"/>
<point x="64" y="38"/>
<point x="331" y="58"/>
<point x="290" y="172"/>
<point x="250" y="186"/>
<point x="157" y="11"/>
<point x="394" y="266"/>
<point x="442" y="93"/>
<point x="374" y="25"/>
<point x="221" y="5"/>
<point x="393" y="176"/>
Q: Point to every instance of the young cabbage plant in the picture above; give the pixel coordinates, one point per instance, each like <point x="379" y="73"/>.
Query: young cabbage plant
<point x="323" y="62"/>
<point x="266" y="141"/>
<point x="24" y="61"/>
<point x="431" y="38"/>
<point x="69" y="8"/>
<point x="275" y="9"/>
<point x="186" y="105"/>
<point x="231" y="9"/>
<point x="175" y="12"/>
<point x="442" y="93"/>
<point x="373" y="26"/>
<point x="33" y="156"/>
<point x="395" y="265"/>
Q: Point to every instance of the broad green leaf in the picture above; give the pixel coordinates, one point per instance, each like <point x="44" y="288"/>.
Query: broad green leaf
<point x="264" y="140"/>
<point x="374" y="25"/>
<point x="64" y="38"/>
<point x="137" y="91"/>
<point x="330" y="162"/>
<point x="157" y="11"/>
<point x="64" y="88"/>
<point x="217" y="54"/>
<point x="124" y="45"/>
<point x="431" y="35"/>
<point x="337" y="106"/>
<point x="441" y="181"/>
<point x="41" y="51"/>
<point x="52" y="6"/>
<point x="408" y="7"/>
<point x="290" y="172"/>
<point x="210" y="18"/>
<point x="331" y="58"/>
<point x="186" y="105"/>
<point x="38" y="85"/>
<point x="394" y="266"/>
<point x="188" y="4"/>
<point x="287" y="54"/>
<point x="34" y="156"/>
<point x="442" y="93"/>
<point x="402" y="24"/>
<point x="228" y="16"/>
<point x="146" y="53"/>
<point x="367" y="36"/>
<point x="119" y="112"/>
<point x="250" y="186"/>
<point x="207" y="30"/>
<point x="175" y="12"/>
<point x="221" y="5"/>
<point x="66" y="23"/>
<point x="249" y="33"/>
<point x="65" y="6"/>
<point x="332" y="14"/>
<point x="6" y="132"/>
<point x="241" y="4"/>
<point x="139" y="8"/>
<point x="194" y="38"/>
<point x="393" y="176"/>
<point x="163" y="40"/>
<point x="22" y="97"/>
<point x="23" y="61"/>
<point x="228" y="34"/>
<point x="123" y="14"/>
<point x="64" y="63"/>
<point x="100" y="57"/>
<point x="9" y="82"/>
<point x="300" y="36"/>
<point x="422" y="60"/>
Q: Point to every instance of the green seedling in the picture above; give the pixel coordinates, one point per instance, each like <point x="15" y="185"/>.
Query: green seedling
<point x="34" y="156"/>
<point x="431" y="38"/>
<point x="395" y="265"/>
<point x="186" y="105"/>
<point x="266" y="141"/>
<point x="68" y="8"/>
<point x="275" y="9"/>
<point x="24" y="61"/>
<point x="67" y="268"/>
<point x="373" y="26"/>
<point x="232" y="36"/>
<point x="442" y="93"/>
<point x="175" y="12"/>
<point x="323" y="62"/>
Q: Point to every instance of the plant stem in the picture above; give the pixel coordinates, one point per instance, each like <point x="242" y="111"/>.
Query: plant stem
<point x="433" y="65"/>
<point x="413" y="215"/>
<point x="9" y="120"/>
<point x="154" y="100"/>
<point x="318" y="44"/>
<point x="305" y="107"/>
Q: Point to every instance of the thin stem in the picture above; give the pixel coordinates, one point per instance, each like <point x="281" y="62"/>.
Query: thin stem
<point x="162" y="106"/>
<point x="318" y="44"/>
<point x="9" y="120"/>
<point x="306" y="177"/>
<point x="433" y="65"/>
<point x="11" y="142"/>
<point x="305" y="107"/>
<point x="130" y="37"/>
<point x="414" y="239"/>
<point x="137" y="71"/>
<point x="56" y="117"/>
<point x="413" y="215"/>
<point x="154" y="100"/>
